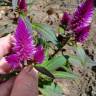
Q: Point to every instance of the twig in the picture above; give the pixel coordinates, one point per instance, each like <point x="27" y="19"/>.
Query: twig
<point x="60" y="49"/>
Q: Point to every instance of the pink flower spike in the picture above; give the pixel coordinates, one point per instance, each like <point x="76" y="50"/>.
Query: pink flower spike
<point x="82" y="34"/>
<point x="82" y="17"/>
<point x="13" y="60"/>
<point x="66" y="18"/>
<point x="24" y="45"/>
<point x="39" y="55"/>
<point x="22" y="5"/>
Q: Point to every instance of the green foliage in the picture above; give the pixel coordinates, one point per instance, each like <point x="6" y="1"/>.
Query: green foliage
<point x="30" y="2"/>
<point x="44" y="71"/>
<point x="81" y="54"/>
<point x="61" y="30"/>
<point x="44" y="81"/>
<point x="90" y="62"/>
<point x="51" y="90"/>
<point x="46" y="31"/>
<point x="81" y="58"/>
<point x="74" y="60"/>
<point x="5" y="3"/>
<point x="54" y="63"/>
<point x="28" y="23"/>
<point x="66" y="75"/>
<point x="14" y="4"/>
<point x="1" y="2"/>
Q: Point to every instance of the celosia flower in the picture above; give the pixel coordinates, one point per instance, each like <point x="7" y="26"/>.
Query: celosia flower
<point x="65" y="19"/>
<point x="24" y="44"/>
<point x="13" y="60"/>
<point x="39" y="55"/>
<point x="82" y="34"/>
<point x="81" y="20"/>
<point x="22" y="5"/>
<point x="23" y="47"/>
<point x="82" y="17"/>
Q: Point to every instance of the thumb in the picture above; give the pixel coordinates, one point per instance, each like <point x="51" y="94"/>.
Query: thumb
<point x="26" y="84"/>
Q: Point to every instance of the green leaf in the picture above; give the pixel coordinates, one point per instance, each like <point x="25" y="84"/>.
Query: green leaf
<point x="30" y="2"/>
<point x="61" y="30"/>
<point x="74" y="60"/>
<point x="81" y="58"/>
<point x="51" y="90"/>
<point x="28" y="24"/>
<point x="81" y="54"/>
<point x="46" y="31"/>
<point x="45" y="71"/>
<point x="89" y="62"/>
<point x="67" y="75"/>
<point x="14" y="4"/>
<point x="54" y="63"/>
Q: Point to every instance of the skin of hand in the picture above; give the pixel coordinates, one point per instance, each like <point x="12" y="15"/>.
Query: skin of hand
<point x="25" y="84"/>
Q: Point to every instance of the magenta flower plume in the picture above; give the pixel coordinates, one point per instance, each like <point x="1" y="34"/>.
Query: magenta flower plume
<point x="13" y="60"/>
<point x="24" y="44"/>
<point x="39" y="56"/>
<point x="22" y="5"/>
<point x="82" y="17"/>
<point x="66" y="18"/>
<point x="23" y="47"/>
<point x="82" y="34"/>
<point x="81" y="20"/>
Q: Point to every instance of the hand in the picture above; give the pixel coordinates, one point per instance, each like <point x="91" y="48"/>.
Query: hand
<point x="25" y="84"/>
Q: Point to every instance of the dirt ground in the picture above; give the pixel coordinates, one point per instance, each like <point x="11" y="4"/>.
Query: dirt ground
<point x="50" y="11"/>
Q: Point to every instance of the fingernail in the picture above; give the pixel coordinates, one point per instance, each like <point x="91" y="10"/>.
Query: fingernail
<point x="28" y="68"/>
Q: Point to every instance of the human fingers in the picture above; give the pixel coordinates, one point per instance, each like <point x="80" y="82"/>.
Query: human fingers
<point x="26" y="83"/>
<point x="6" y="87"/>
<point x="5" y="45"/>
<point x="4" y="66"/>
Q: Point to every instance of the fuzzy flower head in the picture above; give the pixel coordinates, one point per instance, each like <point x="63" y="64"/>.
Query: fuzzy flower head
<point x="22" y="5"/>
<point x="13" y="60"/>
<point x="23" y="47"/>
<point x="39" y="55"/>
<point x="81" y="20"/>
<point x="24" y="44"/>
<point x="82" y="17"/>
<point x="65" y="19"/>
<point x="82" y="34"/>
